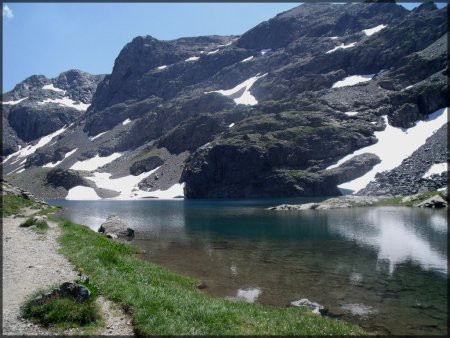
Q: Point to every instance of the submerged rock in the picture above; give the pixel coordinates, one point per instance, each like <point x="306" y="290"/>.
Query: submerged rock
<point x="115" y="227"/>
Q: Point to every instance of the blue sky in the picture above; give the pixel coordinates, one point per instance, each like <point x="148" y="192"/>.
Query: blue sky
<point x="49" y="38"/>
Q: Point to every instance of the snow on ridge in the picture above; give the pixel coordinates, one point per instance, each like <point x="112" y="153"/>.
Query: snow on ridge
<point x="68" y="102"/>
<point x="92" y="138"/>
<point x="341" y="46"/>
<point x="82" y="193"/>
<point x="53" y="88"/>
<point x="125" y="122"/>
<point x="246" y="97"/>
<point x="352" y="80"/>
<point x="52" y="165"/>
<point x="374" y="30"/>
<point x="15" y="102"/>
<point x="264" y="51"/>
<point x="334" y="37"/>
<point x="437" y="168"/>
<point x="213" y="52"/>
<point x="393" y="146"/>
<point x="162" y="67"/>
<point x="192" y="58"/>
<point x="247" y="59"/>
<point x="225" y="45"/>
<point x="30" y="149"/>
<point x="95" y="162"/>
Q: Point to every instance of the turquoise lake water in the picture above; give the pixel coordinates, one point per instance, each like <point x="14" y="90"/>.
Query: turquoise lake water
<point x="384" y="268"/>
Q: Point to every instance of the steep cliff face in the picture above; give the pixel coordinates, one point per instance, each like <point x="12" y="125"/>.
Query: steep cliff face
<point x="269" y="113"/>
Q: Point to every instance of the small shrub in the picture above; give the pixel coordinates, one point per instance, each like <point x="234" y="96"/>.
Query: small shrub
<point x="28" y="223"/>
<point x="62" y="312"/>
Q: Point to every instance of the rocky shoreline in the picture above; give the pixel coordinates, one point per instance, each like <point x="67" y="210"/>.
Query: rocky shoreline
<point x="438" y="200"/>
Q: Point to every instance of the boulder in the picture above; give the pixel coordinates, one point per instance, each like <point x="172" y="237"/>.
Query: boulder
<point x="316" y="308"/>
<point x="115" y="227"/>
<point x="67" y="290"/>
<point x="433" y="202"/>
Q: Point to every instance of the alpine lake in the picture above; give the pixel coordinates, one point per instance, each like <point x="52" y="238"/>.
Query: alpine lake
<point x="384" y="268"/>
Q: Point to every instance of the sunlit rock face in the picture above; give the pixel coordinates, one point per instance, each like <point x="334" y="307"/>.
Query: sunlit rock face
<point x="286" y="109"/>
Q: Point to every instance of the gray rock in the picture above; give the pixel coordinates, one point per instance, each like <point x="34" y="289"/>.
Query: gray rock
<point x="316" y="307"/>
<point x="116" y="227"/>
<point x="410" y="198"/>
<point x="433" y="202"/>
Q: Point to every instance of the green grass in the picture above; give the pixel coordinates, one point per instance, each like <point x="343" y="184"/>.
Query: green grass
<point x="13" y="204"/>
<point x="165" y="303"/>
<point x="41" y="225"/>
<point x="62" y="313"/>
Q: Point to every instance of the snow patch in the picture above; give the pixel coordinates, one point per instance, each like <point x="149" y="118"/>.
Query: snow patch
<point x="92" y="138"/>
<point x="53" y="88"/>
<point x="246" y="97"/>
<point x="231" y="125"/>
<point x="52" y="165"/>
<point x="95" y="162"/>
<point x="264" y="51"/>
<point x="15" y="102"/>
<point x="67" y="102"/>
<point x="406" y="88"/>
<point x="124" y="185"/>
<point x="374" y="30"/>
<point x="125" y="122"/>
<point x="334" y="37"/>
<point x="30" y="149"/>
<point x="225" y="45"/>
<point x="353" y="80"/>
<point x="351" y="113"/>
<point x="192" y="58"/>
<point x="213" y="52"/>
<point x="247" y="59"/>
<point x="341" y="46"/>
<point x="437" y="168"/>
<point x="161" y="67"/>
<point x="393" y="146"/>
<point x="82" y="193"/>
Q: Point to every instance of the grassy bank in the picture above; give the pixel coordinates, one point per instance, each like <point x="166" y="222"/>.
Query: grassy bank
<point x="164" y="303"/>
<point x="13" y="205"/>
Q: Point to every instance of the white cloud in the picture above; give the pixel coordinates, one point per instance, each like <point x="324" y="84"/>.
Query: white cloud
<point x="7" y="12"/>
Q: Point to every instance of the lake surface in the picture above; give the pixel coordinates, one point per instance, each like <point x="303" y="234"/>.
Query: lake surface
<point x="384" y="268"/>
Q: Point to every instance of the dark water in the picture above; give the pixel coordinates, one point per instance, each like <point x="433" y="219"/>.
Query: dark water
<point x="384" y="268"/>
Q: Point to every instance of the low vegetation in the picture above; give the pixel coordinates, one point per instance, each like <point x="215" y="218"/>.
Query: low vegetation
<point x="13" y="204"/>
<point x="63" y="313"/>
<point x="164" y="303"/>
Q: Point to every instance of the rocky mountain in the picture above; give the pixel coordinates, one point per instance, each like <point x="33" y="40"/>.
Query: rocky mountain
<point x="39" y="106"/>
<point x="318" y="100"/>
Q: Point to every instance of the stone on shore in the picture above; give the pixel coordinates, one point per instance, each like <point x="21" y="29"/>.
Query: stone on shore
<point x="114" y="227"/>
<point x="433" y="202"/>
<point x="316" y="307"/>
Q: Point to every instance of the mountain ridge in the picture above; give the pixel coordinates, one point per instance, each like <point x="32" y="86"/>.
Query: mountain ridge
<point x="262" y="114"/>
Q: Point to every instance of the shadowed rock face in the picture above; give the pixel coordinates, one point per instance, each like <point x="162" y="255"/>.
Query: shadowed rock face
<point x="162" y="103"/>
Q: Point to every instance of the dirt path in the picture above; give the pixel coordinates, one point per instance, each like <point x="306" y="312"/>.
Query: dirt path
<point x="30" y="262"/>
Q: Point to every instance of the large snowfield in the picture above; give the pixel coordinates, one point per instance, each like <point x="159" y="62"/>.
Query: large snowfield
<point x="393" y="146"/>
